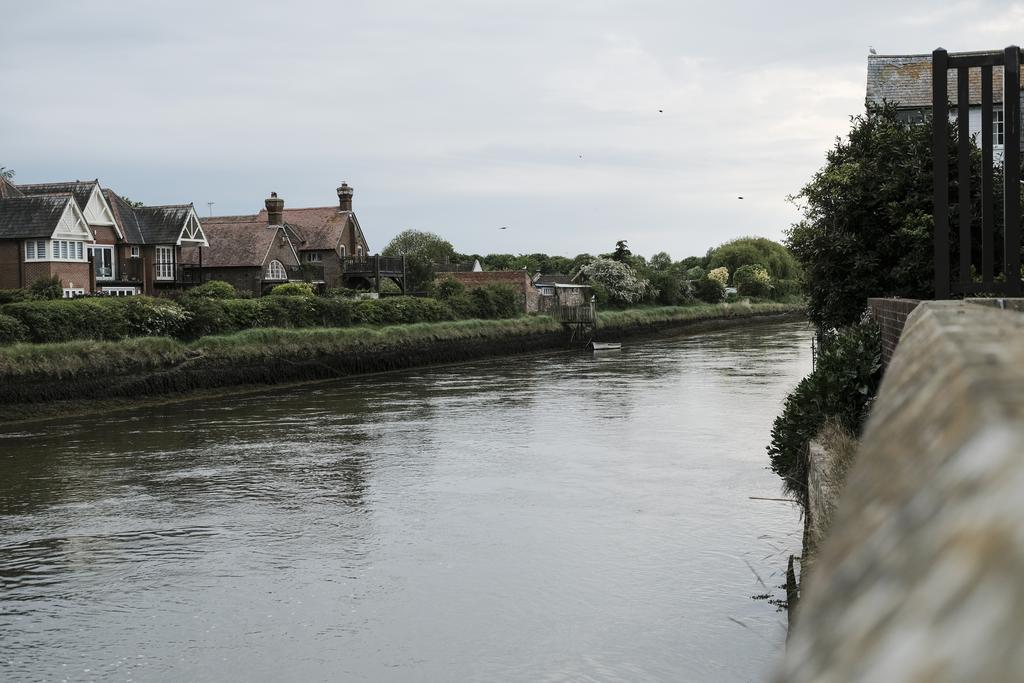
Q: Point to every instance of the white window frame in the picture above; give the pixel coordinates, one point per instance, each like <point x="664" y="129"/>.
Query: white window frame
<point x="136" y="252"/>
<point x="113" y="262"/>
<point x="38" y="252"/>
<point x="164" y="264"/>
<point x="359" y="253"/>
<point x="314" y="257"/>
<point x="998" y="127"/>
<point x="344" y="251"/>
<point x="120" y="291"/>
<point x="275" y="271"/>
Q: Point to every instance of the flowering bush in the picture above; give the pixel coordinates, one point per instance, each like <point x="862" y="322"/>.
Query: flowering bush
<point x="621" y="283"/>
<point x="753" y="280"/>
<point x="721" y="274"/>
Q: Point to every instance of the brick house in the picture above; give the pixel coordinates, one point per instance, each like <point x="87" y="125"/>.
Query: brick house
<point x="324" y="236"/>
<point x="150" y="255"/>
<point x="519" y="280"/>
<point x="251" y="254"/>
<point x="43" y="236"/>
<point x="128" y="250"/>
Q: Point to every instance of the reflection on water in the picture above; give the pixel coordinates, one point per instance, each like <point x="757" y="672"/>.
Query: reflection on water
<point x="553" y="517"/>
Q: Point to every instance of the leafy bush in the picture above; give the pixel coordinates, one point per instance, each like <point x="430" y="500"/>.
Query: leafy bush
<point x="449" y="287"/>
<point x="671" y="290"/>
<point x="11" y="296"/>
<point x="783" y="289"/>
<point x="47" y="288"/>
<point x="842" y="386"/>
<point x="293" y="289"/>
<point x="12" y="330"/>
<point x="399" y="309"/>
<point x="695" y="273"/>
<point x="214" y="289"/>
<point x="720" y="274"/>
<point x="709" y="290"/>
<point x="103" y="318"/>
<point x="494" y="301"/>
<point x="753" y="280"/>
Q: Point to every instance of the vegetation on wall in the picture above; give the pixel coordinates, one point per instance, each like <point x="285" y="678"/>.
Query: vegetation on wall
<point x="841" y="388"/>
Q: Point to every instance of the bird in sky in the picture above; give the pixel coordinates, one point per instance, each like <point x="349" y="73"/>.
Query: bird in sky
<point x="661" y="111"/>
<point x="504" y="227"/>
<point x="739" y="198"/>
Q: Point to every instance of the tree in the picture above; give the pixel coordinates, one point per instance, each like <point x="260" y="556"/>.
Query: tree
<point x="421" y="250"/>
<point x="745" y="251"/>
<point x="867" y="226"/>
<point x="622" y="252"/>
<point x="6" y="173"/>
<point x="660" y="261"/>
<point x="621" y="283"/>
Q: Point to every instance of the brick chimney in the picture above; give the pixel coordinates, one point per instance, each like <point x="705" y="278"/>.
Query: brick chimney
<point x="345" y="197"/>
<point x="275" y="210"/>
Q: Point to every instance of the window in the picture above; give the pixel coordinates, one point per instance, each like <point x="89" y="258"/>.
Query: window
<point x="35" y="250"/>
<point x="997" y="127"/>
<point x="275" y="271"/>
<point x="344" y="252"/>
<point x="359" y="253"/>
<point x="313" y="257"/>
<point x="103" y="262"/>
<point x="136" y="252"/>
<point x="165" y="263"/>
<point x="120" y="291"/>
<point x="60" y="250"/>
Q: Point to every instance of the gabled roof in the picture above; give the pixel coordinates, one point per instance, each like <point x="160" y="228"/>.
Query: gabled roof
<point x="81" y="190"/>
<point x="28" y="217"/>
<point x="9" y="189"/>
<point x="242" y="242"/>
<point x="149" y="224"/>
<point x="318" y="228"/>
<point x="906" y="80"/>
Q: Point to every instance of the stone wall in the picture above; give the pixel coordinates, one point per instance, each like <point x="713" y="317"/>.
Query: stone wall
<point x="891" y="315"/>
<point x="919" y="578"/>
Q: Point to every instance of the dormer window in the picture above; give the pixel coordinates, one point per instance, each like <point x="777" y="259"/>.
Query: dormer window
<point x="313" y="257"/>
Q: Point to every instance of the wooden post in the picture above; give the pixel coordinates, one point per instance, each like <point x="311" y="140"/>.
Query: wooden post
<point x="987" y="223"/>
<point x="940" y="171"/>
<point x="1011" y="168"/>
<point x="963" y="195"/>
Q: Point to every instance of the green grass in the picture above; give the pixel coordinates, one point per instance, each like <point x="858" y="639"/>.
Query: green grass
<point x="68" y="360"/>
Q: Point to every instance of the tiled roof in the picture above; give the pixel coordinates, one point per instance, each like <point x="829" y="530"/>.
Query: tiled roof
<point x="81" y="190"/>
<point x="318" y="228"/>
<point x="907" y="81"/>
<point x="163" y="224"/>
<point x="244" y="242"/>
<point x="25" y="217"/>
<point x="148" y="224"/>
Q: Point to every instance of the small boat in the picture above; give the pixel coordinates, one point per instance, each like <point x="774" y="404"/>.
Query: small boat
<point x="605" y="346"/>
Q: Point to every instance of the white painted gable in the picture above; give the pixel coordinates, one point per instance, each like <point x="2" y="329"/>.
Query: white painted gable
<point x="97" y="211"/>
<point x="72" y="225"/>
<point x="192" y="232"/>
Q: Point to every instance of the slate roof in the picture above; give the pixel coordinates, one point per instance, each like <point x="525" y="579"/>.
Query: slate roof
<point x="148" y="224"/>
<point x="240" y="242"/>
<point x="907" y="81"/>
<point x="27" y="217"/>
<point x="318" y="228"/>
<point x="81" y="190"/>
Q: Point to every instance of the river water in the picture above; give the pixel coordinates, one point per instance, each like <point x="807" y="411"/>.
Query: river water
<point x="555" y="517"/>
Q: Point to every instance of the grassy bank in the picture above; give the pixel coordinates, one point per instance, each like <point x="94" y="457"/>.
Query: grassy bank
<point x="81" y="370"/>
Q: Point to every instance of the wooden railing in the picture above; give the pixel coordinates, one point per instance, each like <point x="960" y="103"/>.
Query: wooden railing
<point x="370" y="266"/>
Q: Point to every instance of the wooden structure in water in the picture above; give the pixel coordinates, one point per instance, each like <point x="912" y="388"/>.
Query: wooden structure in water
<point x="573" y="306"/>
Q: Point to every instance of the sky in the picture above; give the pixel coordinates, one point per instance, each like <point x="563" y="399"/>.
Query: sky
<point x="574" y="124"/>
